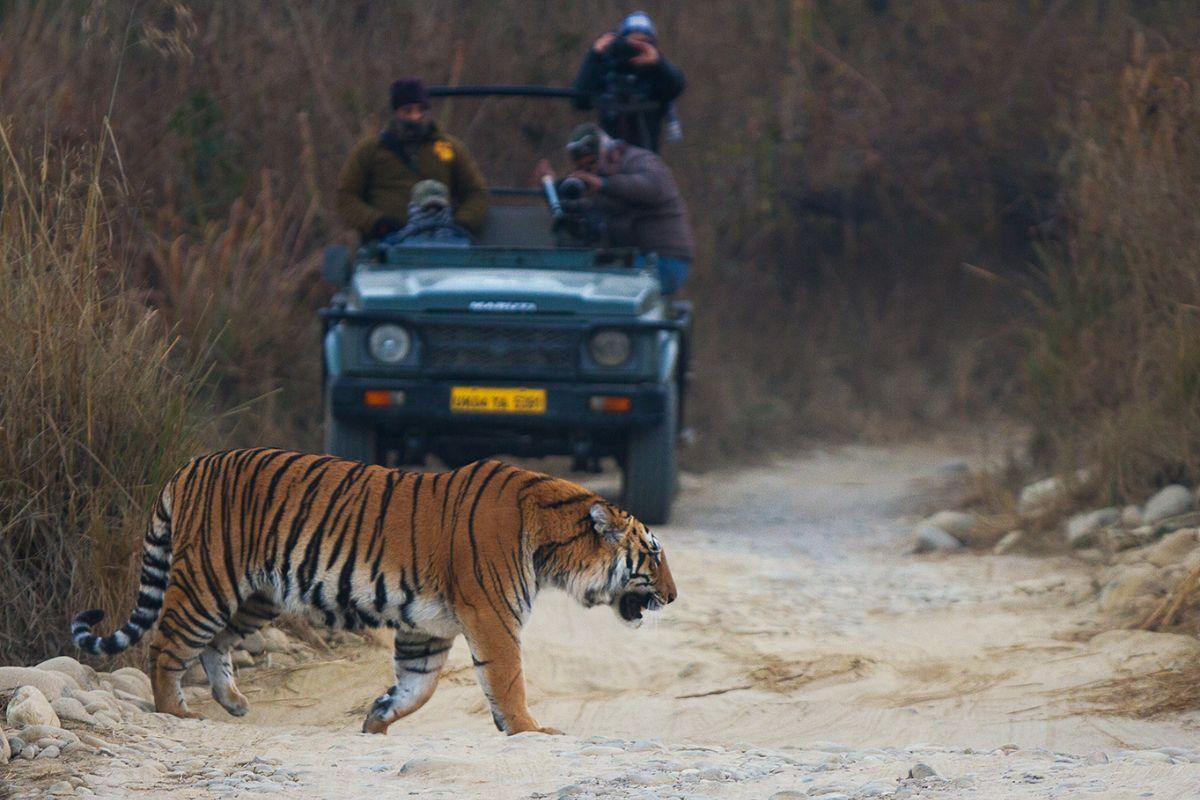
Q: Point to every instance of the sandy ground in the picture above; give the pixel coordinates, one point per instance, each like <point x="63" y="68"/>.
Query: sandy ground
<point x="807" y="656"/>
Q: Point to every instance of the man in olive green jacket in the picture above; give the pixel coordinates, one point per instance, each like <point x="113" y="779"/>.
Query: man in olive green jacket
<point x="375" y="185"/>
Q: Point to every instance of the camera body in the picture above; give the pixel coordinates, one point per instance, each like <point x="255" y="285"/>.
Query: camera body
<point x="622" y="49"/>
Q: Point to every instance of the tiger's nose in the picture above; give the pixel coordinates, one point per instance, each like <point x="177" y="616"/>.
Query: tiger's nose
<point x="670" y="594"/>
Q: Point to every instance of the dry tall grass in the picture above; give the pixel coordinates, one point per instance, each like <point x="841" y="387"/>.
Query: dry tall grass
<point x="96" y="410"/>
<point x="1115" y="368"/>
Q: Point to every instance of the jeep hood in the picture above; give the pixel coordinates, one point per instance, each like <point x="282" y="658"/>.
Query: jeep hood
<point x="538" y="291"/>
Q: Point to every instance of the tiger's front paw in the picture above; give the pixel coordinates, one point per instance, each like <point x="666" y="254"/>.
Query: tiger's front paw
<point x="551" y="731"/>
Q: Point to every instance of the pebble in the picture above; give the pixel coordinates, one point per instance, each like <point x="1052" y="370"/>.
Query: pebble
<point x="242" y="659"/>
<point x="61" y="788"/>
<point x="921" y="770"/>
<point x="49" y="752"/>
<point x="29" y="752"/>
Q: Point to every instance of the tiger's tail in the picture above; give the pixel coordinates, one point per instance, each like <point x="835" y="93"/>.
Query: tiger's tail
<point x="156" y="564"/>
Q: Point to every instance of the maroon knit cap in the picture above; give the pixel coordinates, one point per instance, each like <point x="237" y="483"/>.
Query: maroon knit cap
<point x="407" y="91"/>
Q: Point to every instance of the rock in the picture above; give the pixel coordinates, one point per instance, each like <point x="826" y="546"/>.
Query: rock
<point x="29" y="752"/>
<point x="5" y="749"/>
<point x="35" y="733"/>
<point x="276" y="641"/>
<point x="70" y="708"/>
<point x="82" y="674"/>
<point x="1117" y="540"/>
<point x="50" y="684"/>
<point x="242" y="659"/>
<point x="1145" y="652"/>
<point x="61" y="789"/>
<point x="1009" y="542"/>
<point x="254" y="644"/>
<point x="134" y="681"/>
<point x="1040" y="496"/>
<point x="921" y="770"/>
<point x="29" y="706"/>
<point x="1174" y="548"/>
<point x="955" y="523"/>
<point x="1083" y="529"/>
<point x="1134" y="590"/>
<point x="1131" y="516"/>
<point x="1168" y="502"/>
<point x="49" y="752"/>
<point x="131" y="702"/>
<point x="1171" y="524"/>
<point x="930" y="538"/>
<point x="92" y="741"/>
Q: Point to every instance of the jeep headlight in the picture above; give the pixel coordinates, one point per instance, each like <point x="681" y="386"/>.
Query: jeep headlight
<point x="610" y="348"/>
<point x="390" y="344"/>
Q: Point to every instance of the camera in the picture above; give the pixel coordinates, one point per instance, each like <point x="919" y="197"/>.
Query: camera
<point x="622" y="50"/>
<point x="571" y="188"/>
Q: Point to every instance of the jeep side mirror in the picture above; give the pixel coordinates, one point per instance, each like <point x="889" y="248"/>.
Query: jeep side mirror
<point x="336" y="268"/>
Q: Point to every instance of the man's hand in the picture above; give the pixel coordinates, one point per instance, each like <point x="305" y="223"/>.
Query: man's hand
<point x="604" y="42"/>
<point x="647" y="54"/>
<point x="542" y="170"/>
<point x="590" y="179"/>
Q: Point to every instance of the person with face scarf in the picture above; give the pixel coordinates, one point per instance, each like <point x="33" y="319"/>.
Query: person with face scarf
<point x="376" y="183"/>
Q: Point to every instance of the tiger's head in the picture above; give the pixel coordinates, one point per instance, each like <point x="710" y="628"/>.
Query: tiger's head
<point x="629" y="571"/>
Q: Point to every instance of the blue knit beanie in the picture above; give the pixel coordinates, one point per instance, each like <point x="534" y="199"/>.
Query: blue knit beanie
<point x="638" y="22"/>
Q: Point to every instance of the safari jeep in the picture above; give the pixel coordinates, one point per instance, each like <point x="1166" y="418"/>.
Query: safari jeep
<point x="521" y="344"/>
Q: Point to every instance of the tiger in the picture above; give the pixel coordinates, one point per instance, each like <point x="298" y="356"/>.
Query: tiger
<point x="240" y="536"/>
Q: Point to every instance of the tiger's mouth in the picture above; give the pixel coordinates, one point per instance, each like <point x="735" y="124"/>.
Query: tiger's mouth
<point x="630" y="605"/>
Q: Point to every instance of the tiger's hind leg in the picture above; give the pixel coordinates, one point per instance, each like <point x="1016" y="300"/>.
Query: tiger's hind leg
<point x="257" y="610"/>
<point x="418" y="661"/>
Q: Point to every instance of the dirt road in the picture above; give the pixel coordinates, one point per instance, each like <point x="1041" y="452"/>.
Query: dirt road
<point x="807" y="656"/>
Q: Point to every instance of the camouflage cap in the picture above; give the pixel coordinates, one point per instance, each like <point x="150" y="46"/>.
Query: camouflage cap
<point x="585" y="140"/>
<point x="430" y="192"/>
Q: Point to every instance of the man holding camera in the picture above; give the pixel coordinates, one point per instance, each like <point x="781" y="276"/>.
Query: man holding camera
<point x="377" y="181"/>
<point x="637" y="194"/>
<point x="629" y="81"/>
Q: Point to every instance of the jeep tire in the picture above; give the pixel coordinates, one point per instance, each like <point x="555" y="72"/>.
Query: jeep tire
<point x="353" y="440"/>
<point x="650" y="475"/>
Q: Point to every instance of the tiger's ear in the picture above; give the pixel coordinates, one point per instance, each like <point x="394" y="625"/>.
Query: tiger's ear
<point x="606" y="526"/>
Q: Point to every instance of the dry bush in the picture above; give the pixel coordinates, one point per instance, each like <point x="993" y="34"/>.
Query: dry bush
<point x="1114" y="372"/>
<point x="243" y="294"/>
<point x="96" y="408"/>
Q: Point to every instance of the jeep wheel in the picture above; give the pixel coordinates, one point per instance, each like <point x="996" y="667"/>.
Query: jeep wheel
<point x="649" y="478"/>
<point x="352" y="440"/>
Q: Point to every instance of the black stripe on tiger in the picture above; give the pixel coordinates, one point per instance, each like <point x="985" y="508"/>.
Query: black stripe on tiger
<point x="156" y="564"/>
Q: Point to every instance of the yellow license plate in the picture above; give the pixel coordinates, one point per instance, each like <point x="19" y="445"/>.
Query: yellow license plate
<point x="484" y="400"/>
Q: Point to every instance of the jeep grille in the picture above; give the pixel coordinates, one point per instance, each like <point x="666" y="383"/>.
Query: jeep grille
<point x="495" y="349"/>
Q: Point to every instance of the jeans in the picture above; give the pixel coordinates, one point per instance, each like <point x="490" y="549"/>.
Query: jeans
<point x="672" y="272"/>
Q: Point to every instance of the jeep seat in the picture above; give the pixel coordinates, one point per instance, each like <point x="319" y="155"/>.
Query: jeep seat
<point x="516" y="226"/>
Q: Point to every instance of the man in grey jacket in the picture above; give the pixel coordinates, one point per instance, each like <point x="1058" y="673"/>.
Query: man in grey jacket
<point x="638" y="195"/>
